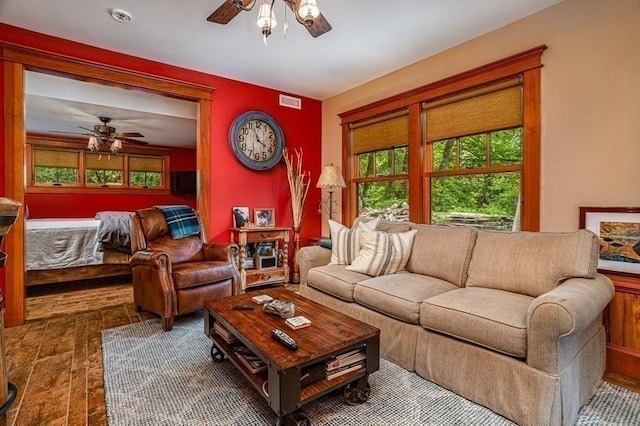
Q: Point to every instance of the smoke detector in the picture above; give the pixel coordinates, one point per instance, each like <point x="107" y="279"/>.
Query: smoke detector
<point x="121" y="15"/>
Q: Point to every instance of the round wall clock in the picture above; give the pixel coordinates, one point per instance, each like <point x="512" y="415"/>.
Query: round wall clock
<point x="256" y="140"/>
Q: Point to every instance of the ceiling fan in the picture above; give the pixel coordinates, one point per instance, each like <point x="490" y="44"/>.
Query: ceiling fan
<point x="305" y="11"/>
<point x="103" y="134"/>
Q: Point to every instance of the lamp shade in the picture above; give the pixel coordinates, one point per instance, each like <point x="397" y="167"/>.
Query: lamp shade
<point x="331" y="178"/>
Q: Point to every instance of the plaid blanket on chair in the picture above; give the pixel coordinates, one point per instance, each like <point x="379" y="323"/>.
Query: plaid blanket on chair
<point x="182" y="221"/>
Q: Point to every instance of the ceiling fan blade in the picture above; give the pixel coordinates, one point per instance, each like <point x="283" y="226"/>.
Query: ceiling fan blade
<point x="133" y="141"/>
<point x="320" y="24"/>
<point x="127" y="135"/>
<point x="226" y="12"/>
<point x="71" y="133"/>
<point x="93" y="133"/>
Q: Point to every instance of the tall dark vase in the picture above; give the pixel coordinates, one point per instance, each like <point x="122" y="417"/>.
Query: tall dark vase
<point x="296" y="246"/>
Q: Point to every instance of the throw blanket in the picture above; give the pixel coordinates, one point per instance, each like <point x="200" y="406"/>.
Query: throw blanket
<point x="182" y="221"/>
<point x="113" y="232"/>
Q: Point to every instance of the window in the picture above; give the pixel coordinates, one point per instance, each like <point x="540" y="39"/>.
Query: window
<point x="475" y="179"/>
<point x="104" y="170"/>
<point x="382" y="181"/>
<point x="145" y="171"/>
<point x="469" y="151"/>
<point x="55" y="167"/>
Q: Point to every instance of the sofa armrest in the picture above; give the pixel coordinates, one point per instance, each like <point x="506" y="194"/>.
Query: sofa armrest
<point x="152" y="259"/>
<point x="310" y="257"/>
<point x="559" y="322"/>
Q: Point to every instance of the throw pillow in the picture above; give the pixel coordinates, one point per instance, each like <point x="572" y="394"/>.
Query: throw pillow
<point x="345" y="242"/>
<point x="382" y="253"/>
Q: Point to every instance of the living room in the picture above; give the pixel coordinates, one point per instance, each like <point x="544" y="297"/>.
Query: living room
<point x="587" y="100"/>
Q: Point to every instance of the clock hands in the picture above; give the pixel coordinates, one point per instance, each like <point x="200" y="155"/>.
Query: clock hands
<point x="258" y="138"/>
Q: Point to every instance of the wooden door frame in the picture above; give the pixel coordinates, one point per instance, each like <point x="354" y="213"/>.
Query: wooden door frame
<point x="17" y="60"/>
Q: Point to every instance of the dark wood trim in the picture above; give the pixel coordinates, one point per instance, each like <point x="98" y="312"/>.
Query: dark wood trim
<point x="14" y="188"/>
<point x="502" y="68"/>
<point x="16" y="61"/>
<point x="531" y="159"/>
<point x="584" y="210"/>
<point x="349" y="195"/>
<point x="38" y="60"/>
<point x="416" y="162"/>
<point x="51" y="276"/>
<point x="623" y="361"/>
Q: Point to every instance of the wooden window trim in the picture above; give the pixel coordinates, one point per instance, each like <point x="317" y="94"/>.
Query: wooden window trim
<point x="527" y="64"/>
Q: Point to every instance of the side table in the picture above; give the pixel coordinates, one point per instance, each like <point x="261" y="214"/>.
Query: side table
<point x="257" y="276"/>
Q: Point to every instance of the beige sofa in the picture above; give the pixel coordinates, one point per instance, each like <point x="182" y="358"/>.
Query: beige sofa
<point x="511" y="321"/>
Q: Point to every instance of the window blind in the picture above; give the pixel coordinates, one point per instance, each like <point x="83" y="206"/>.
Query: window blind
<point x="382" y="133"/>
<point x="43" y="157"/>
<point x="484" y="110"/>
<point x="145" y="164"/>
<point x="105" y="162"/>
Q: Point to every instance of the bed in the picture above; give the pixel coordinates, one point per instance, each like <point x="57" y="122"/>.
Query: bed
<point x="61" y="250"/>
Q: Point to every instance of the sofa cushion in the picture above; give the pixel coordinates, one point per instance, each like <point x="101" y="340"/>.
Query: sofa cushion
<point x="334" y="280"/>
<point x="382" y="253"/>
<point x="345" y="244"/>
<point x="492" y="318"/>
<point x="531" y="263"/>
<point x="193" y="274"/>
<point x="443" y="252"/>
<point x="399" y="295"/>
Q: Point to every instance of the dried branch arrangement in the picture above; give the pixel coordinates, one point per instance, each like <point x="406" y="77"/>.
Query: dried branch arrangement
<point x="298" y="184"/>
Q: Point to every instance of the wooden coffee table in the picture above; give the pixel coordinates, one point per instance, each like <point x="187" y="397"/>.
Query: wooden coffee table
<point x="330" y="333"/>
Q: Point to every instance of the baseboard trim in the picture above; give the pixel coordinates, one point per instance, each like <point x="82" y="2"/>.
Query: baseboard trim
<point x="623" y="361"/>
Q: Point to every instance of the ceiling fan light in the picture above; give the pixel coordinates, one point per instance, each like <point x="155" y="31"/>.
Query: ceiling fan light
<point x="116" y="146"/>
<point x="308" y="11"/>
<point x="93" y="145"/>
<point x="266" y="19"/>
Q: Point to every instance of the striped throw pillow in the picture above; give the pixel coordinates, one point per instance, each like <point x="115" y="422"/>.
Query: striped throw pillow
<point x="382" y="253"/>
<point x="345" y="242"/>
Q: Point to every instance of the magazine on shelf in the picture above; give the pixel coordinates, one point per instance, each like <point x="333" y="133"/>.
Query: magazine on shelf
<point x="344" y="370"/>
<point x="352" y="358"/>
<point x="298" y="322"/>
<point x="226" y="335"/>
<point x="249" y="359"/>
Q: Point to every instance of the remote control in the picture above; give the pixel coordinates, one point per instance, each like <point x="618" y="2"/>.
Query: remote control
<point x="243" y="307"/>
<point x="284" y="338"/>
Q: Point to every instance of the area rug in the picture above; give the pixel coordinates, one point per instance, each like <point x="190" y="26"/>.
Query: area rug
<point x="152" y="377"/>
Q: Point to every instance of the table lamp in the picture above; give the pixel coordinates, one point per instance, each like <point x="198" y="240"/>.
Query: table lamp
<point x="330" y="179"/>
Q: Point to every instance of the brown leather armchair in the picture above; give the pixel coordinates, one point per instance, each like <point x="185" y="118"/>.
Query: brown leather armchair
<point x="176" y="276"/>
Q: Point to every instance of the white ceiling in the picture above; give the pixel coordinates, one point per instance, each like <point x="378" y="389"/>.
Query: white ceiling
<point x="370" y="38"/>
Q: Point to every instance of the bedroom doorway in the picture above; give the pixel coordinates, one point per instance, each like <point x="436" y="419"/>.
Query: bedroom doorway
<point x="19" y="60"/>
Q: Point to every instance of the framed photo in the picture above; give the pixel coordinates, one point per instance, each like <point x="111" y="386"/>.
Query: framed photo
<point x="619" y="231"/>
<point x="240" y="216"/>
<point x="265" y="217"/>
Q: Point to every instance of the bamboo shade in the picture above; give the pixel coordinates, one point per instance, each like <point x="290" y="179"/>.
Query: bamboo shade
<point x="499" y="109"/>
<point x="56" y="158"/>
<point x="145" y="164"/>
<point x="381" y="134"/>
<point x="105" y="162"/>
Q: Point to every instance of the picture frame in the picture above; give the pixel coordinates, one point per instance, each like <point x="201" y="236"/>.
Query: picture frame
<point x="265" y="218"/>
<point x="618" y="229"/>
<point x="241" y="217"/>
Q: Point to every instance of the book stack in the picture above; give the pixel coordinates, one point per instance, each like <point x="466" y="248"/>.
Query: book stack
<point x="224" y="333"/>
<point x="261" y="299"/>
<point x="346" y="363"/>
<point x="249" y="359"/>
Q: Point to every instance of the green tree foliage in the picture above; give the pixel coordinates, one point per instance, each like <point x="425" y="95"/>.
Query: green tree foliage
<point x="56" y="175"/>
<point x="145" y="179"/>
<point x="383" y="193"/>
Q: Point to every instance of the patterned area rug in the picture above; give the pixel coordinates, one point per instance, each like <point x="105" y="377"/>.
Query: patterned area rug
<point x="157" y="378"/>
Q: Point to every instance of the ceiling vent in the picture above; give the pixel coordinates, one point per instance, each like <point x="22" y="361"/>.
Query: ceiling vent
<point x="290" y="102"/>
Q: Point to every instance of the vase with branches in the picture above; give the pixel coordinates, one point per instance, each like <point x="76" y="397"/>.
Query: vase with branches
<point x="299" y="187"/>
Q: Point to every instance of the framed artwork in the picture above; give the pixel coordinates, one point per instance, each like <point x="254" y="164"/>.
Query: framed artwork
<point x="619" y="231"/>
<point x="240" y="217"/>
<point x="265" y="217"/>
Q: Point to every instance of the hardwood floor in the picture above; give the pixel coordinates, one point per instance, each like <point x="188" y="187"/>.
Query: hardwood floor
<point x="55" y="359"/>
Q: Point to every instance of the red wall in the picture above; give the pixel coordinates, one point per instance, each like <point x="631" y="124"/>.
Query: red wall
<point x="87" y="205"/>
<point x="232" y="184"/>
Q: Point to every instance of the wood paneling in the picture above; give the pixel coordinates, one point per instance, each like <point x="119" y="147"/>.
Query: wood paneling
<point x="622" y="320"/>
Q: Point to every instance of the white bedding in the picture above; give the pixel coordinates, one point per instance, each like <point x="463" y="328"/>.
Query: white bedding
<point x="62" y="243"/>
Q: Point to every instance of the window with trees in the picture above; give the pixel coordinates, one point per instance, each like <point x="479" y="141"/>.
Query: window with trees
<point x="104" y="170"/>
<point x="382" y="181"/>
<point x="469" y="150"/>
<point x="55" y="166"/>
<point x="145" y="171"/>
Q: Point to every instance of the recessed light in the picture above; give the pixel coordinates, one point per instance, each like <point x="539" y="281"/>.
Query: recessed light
<point x="120" y="15"/>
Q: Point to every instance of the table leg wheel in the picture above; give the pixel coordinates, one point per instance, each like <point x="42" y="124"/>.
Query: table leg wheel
<point x="217" y="355"/>
<point x="354" y="395"/>
<point x="297" y="418"/>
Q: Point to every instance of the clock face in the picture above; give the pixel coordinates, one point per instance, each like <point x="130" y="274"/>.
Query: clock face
<point x="256" y="140"/>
